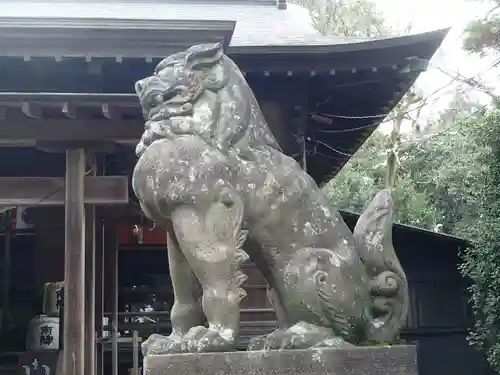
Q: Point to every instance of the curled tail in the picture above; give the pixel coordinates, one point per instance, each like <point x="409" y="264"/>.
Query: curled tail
<point x="388" y="284"/>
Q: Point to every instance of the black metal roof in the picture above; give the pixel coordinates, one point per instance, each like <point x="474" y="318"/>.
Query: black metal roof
<point x="404" y="229"/>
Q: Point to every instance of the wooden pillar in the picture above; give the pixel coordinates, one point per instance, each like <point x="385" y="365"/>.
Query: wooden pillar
<point x="114" y="317"/>
<point x="90" y="284"/>
<point x="74" y="265"/>
<point x="5" y="267"/>
<point x="111" y="285"/>
<point x="99" y="295"/>
<point x="90" y="289"/>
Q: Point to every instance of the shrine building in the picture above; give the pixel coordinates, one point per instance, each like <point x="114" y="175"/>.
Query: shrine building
<point x="84" y="275"/>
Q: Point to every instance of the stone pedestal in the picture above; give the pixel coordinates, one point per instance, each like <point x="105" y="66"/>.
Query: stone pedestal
<point x="398" y="360"/>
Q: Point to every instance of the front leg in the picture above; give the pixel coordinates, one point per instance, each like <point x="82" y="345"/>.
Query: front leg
<point x="186" y="311"/>
<point x="210" y="240"/>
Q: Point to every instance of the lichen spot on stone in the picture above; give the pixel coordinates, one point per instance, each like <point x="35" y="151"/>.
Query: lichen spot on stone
<point x="299" y="329"/>
<point x="317" y="355"/>
<point x="309" y="229"/>
<point x="151" y="182"/>
<point x="334" y="342"/>
<point x="334" y="260"/>
<point x="326" y="211"/>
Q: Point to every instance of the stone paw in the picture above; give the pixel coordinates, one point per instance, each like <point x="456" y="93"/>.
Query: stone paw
<point x="257" y="343"/>
<point x="299" y="336"/>
<point x="205" y="340"/>
<point x="158" y="344"/>
<point x="286" y="339"/>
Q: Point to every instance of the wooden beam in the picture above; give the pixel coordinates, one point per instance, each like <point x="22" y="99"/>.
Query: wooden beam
<point x="94" y="67"/>
<point x="109" y="111"/>
<point x="74" y="265"/>
<point x="29" y="131"/>
<point x="103" y="147"/>
<point x="86" y="99"/>
<point x="69" y="110"/>
<point x="31" y="110"/>
<point x="49" y="191"/>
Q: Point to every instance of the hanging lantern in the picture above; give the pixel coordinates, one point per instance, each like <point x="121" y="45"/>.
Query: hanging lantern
<point x="137" y="234"/>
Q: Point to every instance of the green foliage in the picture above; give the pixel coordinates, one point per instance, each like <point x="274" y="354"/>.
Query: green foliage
<point x="447" y="170"/>
<point x="351" y="18"/>
<point x="358" y="181"/>
<point x="483" y="35"/>
<point x="438" y="177"/>
<point x="481" y="262"/>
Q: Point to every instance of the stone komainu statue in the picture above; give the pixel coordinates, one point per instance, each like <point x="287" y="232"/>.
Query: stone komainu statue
<point x="213" y="175"/>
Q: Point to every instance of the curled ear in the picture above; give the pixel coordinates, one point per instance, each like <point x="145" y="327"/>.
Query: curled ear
<point x="373" y="229"/>
<point x="203" y="55"/>
<point x="139" y="87"/>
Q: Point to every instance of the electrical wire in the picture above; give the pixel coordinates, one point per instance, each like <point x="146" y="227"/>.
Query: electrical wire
<point x="424" y="102"/>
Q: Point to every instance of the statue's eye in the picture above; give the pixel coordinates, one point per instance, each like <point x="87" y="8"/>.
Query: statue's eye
<point x="153" y="101"/>
<point x="320" y="277"/>
<point x="169" y="95"/>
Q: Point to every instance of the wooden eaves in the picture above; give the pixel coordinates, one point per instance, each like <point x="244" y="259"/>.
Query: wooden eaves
<point x="75" y="118"/>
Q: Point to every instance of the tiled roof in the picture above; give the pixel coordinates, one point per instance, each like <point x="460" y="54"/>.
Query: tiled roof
<point x="258" y="22"/>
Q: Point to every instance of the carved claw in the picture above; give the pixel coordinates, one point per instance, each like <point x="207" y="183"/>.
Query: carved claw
<point x="287" y="339"/>
<point x="214" y="341"/>
<point x="279" y="339"/>
<point x="198" y="340"/>
<point x="158" y="344"/>
<point x="257" y="343"/>
<point x="205" y="340"/>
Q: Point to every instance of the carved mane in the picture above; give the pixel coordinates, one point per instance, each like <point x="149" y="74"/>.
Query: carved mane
<point x="197" y="87"/>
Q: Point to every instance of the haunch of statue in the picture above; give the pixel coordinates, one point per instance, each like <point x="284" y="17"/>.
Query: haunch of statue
<point x="212" y="174"/>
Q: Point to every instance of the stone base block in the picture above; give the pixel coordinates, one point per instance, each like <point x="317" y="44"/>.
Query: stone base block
<point x="397" y="360"/>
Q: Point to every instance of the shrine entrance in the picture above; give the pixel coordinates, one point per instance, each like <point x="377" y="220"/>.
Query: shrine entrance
<point x="81" y="192"/>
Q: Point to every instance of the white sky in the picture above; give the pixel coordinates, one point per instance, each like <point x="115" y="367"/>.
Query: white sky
<point x="427" y="15"/>
<point x="430" y="14"/>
